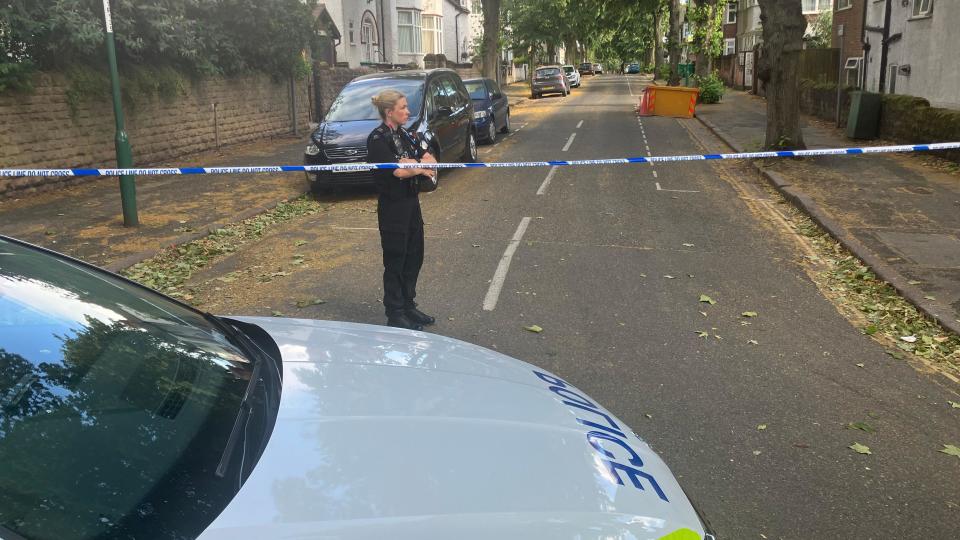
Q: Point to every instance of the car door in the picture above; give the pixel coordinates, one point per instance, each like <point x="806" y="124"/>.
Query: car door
<point x="461" y="114"/>
<point x="499" y="102"/>
<point x="438" y="119"/>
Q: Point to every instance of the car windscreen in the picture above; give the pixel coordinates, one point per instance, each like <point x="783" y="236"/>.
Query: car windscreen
<point x="353" y="103"/>
<point x="547" y="73"/>
<point x="477" y="89"/>
<point x="568" y="69"/>
<point x="110" y="394"/>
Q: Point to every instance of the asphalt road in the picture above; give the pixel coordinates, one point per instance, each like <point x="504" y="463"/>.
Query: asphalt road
<point x="591" y="269"/>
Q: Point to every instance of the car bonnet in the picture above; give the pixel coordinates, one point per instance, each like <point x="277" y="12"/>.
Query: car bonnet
<point x="390" y="433"/>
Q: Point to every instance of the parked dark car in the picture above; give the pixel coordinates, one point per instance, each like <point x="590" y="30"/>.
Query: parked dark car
<point x="491" y="109"/>
<point x="586" y="68"/>
<point x="633" y="68"/>
<point x="548" y="80"/>
<point x="439" y="104"/>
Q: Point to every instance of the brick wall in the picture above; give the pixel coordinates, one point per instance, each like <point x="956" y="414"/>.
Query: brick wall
<point x="852" y="20"/>
<point x="37" y="130"/>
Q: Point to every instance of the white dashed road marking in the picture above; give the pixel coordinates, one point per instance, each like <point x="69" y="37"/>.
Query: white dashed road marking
<point x="546" y="182"/>
<point x="569" y="142"/>
<point x="496" y="284"/>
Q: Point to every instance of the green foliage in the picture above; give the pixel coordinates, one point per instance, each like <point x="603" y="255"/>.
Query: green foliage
<point x="822" y="31"/>
<point x="664" y="71"/>
<point x="707" y="31"/>
<point x="711" y="88"/>
<point x="197" y="37"/>
<point x="85" y="84"/>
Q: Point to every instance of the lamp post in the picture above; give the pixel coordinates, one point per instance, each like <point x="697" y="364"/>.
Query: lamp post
<point x="128" y="187"/>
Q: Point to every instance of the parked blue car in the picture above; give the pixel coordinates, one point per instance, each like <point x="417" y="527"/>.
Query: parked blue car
<point x="491" y="109"/>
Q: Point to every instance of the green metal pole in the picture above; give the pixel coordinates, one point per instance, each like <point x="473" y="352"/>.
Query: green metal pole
<point x="128" y="186"/>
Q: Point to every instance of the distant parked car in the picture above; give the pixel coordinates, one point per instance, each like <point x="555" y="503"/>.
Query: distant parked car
<point x="548" y="80"/>
<point x="586" y="68"/>
<point x="573" y="76"/>
<point x="598" y="69"/>
<point x="491" y="109"/>
<point x="439" y="104"/>
<point x="633" y="68"/>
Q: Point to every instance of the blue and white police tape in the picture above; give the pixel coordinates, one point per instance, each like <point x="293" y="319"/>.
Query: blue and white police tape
<point x="360" y="167"/>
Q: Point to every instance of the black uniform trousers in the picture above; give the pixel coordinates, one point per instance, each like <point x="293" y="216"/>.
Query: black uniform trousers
<point x="401" y="237"/>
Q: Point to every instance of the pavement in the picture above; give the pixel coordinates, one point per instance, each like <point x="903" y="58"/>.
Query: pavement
<point x="900" y="214"/>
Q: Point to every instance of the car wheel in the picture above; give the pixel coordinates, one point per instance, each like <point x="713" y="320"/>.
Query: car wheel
<point x="506" y="124"/>
<point x="470" y="149"/>
<point x="534" y="96"/>
<point x="491" y="131"/>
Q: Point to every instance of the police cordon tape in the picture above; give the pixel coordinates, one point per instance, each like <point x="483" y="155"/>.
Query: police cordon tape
<point x="359" y="167"/>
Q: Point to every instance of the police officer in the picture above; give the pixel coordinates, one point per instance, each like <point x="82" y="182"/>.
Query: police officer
<point x="398" y="209"/>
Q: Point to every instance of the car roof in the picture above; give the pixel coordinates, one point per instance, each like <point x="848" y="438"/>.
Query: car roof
<point x="550" y="66"/>
<point x="476" y="79"/>
<point x="405" y="74"/>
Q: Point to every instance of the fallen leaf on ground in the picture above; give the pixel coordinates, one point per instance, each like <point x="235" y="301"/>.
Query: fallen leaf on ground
<point x="299" y="243"/>
<point x="860" y="449"/>
<point x="669" y="277"/>
<point x="701" y="333"/>
<point x="704" y="313"/>
<point x="761" y="427"/>
<point x="928" y="297"/>
<point x="860" y="365"/>
<point x="757" y="452"/>
<point x="749" y="313"/>
<point x="276" y="314"/>
<point x="707" y="299"/>
<point x="914" y="282"/>
<point x="862" y="426"/>
<point x="753" y="342"/>
<point x="533" y="328"/>
<point x="909" y="339"/>
<point x="954" y="404"/>
<point x="950" y="450"/>
<point x="688" y="245"/>
<point x="870" y="330"/>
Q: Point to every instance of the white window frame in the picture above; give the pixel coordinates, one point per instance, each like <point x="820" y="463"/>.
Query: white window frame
<point x="731" y="13"/>
<point x="413" y="27"/>
<point x="820" y="6"/>
<point x="853" y="66"/>
<point x="432" y="37"/>
<point x="729" y="46"/>
<point x="844" y="4"/>
<point x="922" y="8"/>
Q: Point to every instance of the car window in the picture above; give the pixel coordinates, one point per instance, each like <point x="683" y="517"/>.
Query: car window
<point x="547" y="72"/>
<point x="353" y="103"/>
<point x="568" y="69"/>
<point x="450" y="90"/>
<point x="438" y="95"/>
<point x="494" y="88"/>
<point x="476" y="89"/>
<point x="108" y="393"/>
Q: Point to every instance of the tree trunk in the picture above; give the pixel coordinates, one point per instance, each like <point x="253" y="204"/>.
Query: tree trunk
<point x="657" y="40"/>
<point x="673" y="43"/>
<point x="491" y="39"/>
<point x="705" y="57"/>
<point x="783" y="28"/>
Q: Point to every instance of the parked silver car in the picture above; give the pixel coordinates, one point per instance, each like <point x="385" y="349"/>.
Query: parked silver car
<point x="126" y="414"/>
<point x="573" y="75"/>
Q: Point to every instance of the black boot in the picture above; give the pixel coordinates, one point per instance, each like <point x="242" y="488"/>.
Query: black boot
<point x="399" y="320"/>
<point x="419" y="317"/>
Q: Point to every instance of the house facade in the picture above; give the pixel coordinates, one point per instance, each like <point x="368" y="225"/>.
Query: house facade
<point x="848" y="35"/>
<point x="911" y="49"/>
<point x="399" y="32"/>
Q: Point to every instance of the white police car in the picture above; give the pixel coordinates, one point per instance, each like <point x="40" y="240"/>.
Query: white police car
<point x="125" y="414"/>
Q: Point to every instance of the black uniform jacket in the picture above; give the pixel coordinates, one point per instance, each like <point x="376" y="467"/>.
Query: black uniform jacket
<point x="398" y="205"/>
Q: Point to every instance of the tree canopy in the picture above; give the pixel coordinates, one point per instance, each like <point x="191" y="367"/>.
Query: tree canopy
<point x="195" y="36"/>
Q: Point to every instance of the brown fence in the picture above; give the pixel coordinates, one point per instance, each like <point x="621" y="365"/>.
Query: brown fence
<point x="817" y="65"/>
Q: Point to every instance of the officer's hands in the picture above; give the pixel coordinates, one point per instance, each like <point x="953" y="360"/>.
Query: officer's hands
<point x="428" y="158"/>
